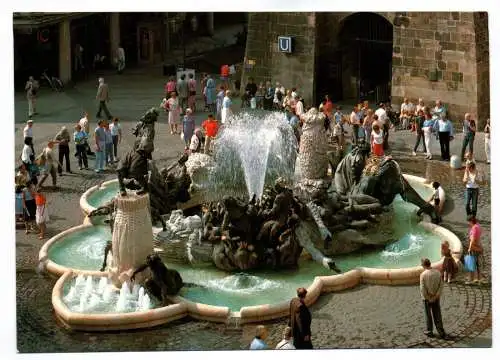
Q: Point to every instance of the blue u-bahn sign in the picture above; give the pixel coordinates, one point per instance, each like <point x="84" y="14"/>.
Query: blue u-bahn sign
<point x="285" y="44"/>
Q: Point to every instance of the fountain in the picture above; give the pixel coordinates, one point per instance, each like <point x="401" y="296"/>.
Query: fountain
<point x="85" y="298"/>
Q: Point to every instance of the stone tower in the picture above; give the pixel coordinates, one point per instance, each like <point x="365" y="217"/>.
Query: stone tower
<point x="435" y="55"/>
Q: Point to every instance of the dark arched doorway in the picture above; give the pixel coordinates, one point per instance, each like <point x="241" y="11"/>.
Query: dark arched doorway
<point x="360" y="65"/>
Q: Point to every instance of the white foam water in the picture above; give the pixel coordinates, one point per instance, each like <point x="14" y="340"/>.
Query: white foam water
<point x="243" y="283"/>
<point x="97" y="296"/>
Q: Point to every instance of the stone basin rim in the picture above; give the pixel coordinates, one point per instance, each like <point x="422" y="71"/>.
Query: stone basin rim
<point x="87" y="208"/>
<point x="248" y="314"/>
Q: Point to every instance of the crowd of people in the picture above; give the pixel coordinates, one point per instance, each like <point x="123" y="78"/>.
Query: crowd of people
<point x="367" y="125"/>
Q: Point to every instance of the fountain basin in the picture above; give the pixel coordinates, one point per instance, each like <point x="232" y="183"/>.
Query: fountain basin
<point x="247" y="314"/>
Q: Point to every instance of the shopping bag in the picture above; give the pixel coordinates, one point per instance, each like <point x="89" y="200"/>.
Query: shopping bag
<point x="469" y="263"/>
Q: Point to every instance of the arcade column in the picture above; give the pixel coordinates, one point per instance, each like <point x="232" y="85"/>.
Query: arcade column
<point x="210" y="23"/>
<point x="114" y="34"/>
<point x="65" y="51"/>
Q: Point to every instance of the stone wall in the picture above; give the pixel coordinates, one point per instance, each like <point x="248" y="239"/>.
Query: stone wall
<point x="483" y="67"/>
<point x="292" y="70"/>
<point x="440" y="43"/>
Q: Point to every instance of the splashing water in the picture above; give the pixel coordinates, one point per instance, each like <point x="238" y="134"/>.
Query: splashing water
<point x="256" y="147"/>
<point x="409" y="245"/>
<point x="243" y="283"/>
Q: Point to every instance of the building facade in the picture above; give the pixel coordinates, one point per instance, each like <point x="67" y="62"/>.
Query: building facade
<point x="377" y="56"/>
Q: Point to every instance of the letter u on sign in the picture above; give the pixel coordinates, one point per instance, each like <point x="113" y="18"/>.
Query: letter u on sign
<point x="285" y="44"/>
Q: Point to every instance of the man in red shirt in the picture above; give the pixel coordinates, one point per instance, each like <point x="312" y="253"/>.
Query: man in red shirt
<point x="211" y="127"/>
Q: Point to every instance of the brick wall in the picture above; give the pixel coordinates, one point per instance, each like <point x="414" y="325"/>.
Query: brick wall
<point x="292" y="70"/>
<point x="443" y="42"/>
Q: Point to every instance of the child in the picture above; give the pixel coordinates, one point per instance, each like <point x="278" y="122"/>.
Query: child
<point x="449" y="265"/>
<point x="42" y="213"/>
<point x="438" y="198"/>
<point x="21" y="207"/>
<point x="109" y="145"/>
<point x="188" y="127"/>
<point x="469" y="158"/>
<point x="30" y="206"/>
<point x="211" y="127"/>
<point x="377" y="140"/>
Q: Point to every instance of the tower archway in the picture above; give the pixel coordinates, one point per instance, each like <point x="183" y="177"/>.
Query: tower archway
<point x="359" y="63"/>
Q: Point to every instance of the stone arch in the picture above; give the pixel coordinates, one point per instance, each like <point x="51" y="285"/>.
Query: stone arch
<point x="356" y="60"/>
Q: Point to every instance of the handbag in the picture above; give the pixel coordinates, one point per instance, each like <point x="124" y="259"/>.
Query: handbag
<point x="469" y="263"/>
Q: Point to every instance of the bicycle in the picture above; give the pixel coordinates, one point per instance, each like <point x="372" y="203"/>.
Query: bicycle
<point x="54" y="82"/>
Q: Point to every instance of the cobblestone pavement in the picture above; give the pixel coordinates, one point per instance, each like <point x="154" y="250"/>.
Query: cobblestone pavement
<point x="364" y="317"/>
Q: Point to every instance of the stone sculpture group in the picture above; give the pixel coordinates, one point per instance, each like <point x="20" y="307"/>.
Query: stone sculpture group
<point x="325" y="216"/>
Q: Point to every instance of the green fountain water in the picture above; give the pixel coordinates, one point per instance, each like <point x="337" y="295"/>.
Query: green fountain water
<point x="84" y="250"/>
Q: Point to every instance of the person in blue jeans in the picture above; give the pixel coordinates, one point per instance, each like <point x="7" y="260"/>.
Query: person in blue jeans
<point x="100" y="143"/>
<point x="471" y="180"/>
<point x="469" y="127"/>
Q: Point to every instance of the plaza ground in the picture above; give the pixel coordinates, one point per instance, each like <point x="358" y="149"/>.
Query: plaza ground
<point x="365" y="317"/>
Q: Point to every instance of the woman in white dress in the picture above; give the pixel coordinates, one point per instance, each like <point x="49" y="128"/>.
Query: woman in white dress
<point x="174" y="113"/>
<point x="226" y="107"/>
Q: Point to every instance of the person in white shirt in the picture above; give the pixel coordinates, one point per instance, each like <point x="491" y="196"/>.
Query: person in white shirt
<point x="287" y="342"/>
<point x="420" y="106"/>
<point x="27" y="155"/>
<point x="28" y="134"/>
<point x="299" y="106"/>
<point x="472" y="179"/>
<point x="384" y="122"/>
<point x="116" y="133"/>
<point x="405" y="113"/>
<point x="120" y="58"/>
<point x="195" y="143"/>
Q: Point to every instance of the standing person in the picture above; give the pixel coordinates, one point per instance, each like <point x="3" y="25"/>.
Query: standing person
<point x="84" y="124"/>
<point x="28" y="134"/>
<point x="258" y="342"/>
<point x="170" y="87"/>
<point x="203" y="84"/>
<point x="211" y="127"/>
<point x="287" y="342"/>
<point x="250" y="91"/>
<point x="259" y="96"/>
<point x="384" y="123"/>
<point x="116" y="133"/>
<point x="279" y="93"/>
<point x="367" y="124"/>
<point x="226" y="112"/>
<point x="209" y="93"/>
<point x="219" y="101"/>
<point x="269" y="96"/>
<point x="174" y="112"/>
<point x="487" y="146"/>
<point x="445" y="135"/>
<point x="42" y="213"/>
<point x="103" y="98"/>
<point x="195" y="143"/>
<point x="27" y="155"/>
<point x="439" y="111"/>
<point x="419" y="124"/>
<point x="30" y="205"/>
<point x="188" y="127"/>
<point x="224" y="76"/>
<point x="405" y="113"/>
<point x="475" y="248"/>
<point x="21" y="209"/>
<point x="31" y="89"/>
<point x="431" y="286"/>
<point x="472" y="179"/>
<point x="120" y="58"/>
<point x="100" y="145"/>
<point x="299" y="106"/>
<point x="300" y="321"/>
<point x="183" y="93"/>
<point x="469" y="129"/>
<point x="192" y="93"/>
<point x="428" y="128"/>
<point x="449" y="265"/>
<point x="63" y="139"/>
<point x="47" y="161"/>
<point x="377" y="140"/>
<point x="81" y="143"/>
<point x="108" y="145"/>
<point x="355" y="122"/>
